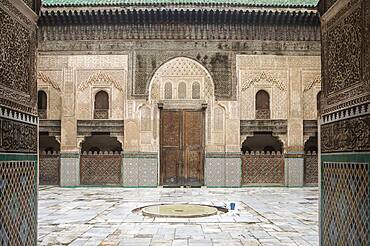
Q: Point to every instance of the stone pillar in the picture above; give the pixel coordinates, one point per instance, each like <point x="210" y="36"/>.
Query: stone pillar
<point x="294" y="154"/>
<point x="69" y="152"/>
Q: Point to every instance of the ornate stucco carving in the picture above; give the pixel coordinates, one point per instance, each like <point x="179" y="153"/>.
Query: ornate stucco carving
<point x="47" y="80"/>
<point x="264" y="76"/>
<point x="100" y="78"/>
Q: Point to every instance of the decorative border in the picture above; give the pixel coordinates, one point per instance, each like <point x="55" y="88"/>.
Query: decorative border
<point x="347" y="113"/>
<point x="14" y="115"/>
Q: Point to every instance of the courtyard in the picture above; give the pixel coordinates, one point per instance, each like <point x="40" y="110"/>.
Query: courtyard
<point x="104" y="216"/>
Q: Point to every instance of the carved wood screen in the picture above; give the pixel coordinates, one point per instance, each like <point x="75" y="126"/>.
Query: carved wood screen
<point x="263" y="168"/>
<point x="182" y="147"/>
<point x="311" y="167"/>
<point x="262" y="105"/>
<point x="49" y="168"/>
<point x="100" y="168"/>
<point x="101" y="105"/>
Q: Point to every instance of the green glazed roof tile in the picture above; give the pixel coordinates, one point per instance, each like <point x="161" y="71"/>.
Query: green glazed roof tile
<point x="277" y="3"/>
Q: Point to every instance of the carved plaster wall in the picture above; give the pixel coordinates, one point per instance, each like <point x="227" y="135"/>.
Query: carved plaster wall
<point x="191" y="86"/>
<point x="274" y="74"/>
<point x="76" y="79"/>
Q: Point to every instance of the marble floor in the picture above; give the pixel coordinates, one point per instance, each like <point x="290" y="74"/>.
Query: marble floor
<point x="103" y="216"/>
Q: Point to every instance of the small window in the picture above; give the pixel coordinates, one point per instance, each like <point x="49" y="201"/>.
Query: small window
<point x="262" y="105"/>
<point x="42" y="104"/>
<point x="101" y="105"/>
<point x="195" y="90"/>
<point x="168" y="90"/>
<point x="182" y="91"/>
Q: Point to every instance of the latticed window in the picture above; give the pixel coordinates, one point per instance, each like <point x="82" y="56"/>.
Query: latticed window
<point x="168" y="90"/>
<point x="182" y="91"/>
<point x="195" y="90"/>
<point x="101" y="105"/>
<point x="42" y="104"/>
<point x="262" y="105"/>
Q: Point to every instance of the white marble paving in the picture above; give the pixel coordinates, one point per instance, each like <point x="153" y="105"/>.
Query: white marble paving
<point x="103" y="216"/>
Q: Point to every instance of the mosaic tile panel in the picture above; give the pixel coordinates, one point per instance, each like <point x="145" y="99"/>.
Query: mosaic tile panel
<point x="18" y="203"/>
<point x="233" y="172"/>
<point x="49" y="169"/>
<point x="148" y="171"/>
<point x="214" y="172"/>
<point x="130" y="172"/>
<point x="263" y="169"/>
<point x="311" y="167"/>
<point x="140" y="172"/>
<point x="100" y="169"/>
<point x="69" y="170"/>
<point x="345" y="204"/>
<point x="294" y="168"/>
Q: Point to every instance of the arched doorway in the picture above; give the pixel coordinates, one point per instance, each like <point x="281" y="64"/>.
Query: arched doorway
<point x="100" y="161"/>
<point x="182" y="90"/>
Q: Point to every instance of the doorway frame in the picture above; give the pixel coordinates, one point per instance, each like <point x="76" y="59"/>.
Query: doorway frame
<point x="202" y="110"/>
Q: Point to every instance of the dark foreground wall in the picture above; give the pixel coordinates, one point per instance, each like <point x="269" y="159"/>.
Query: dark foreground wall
<point x="18" y="123"/>
<point x="345" y="122"/>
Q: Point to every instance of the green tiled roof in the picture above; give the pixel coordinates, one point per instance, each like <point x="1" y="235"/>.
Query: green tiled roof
<point x="276" y="3"/>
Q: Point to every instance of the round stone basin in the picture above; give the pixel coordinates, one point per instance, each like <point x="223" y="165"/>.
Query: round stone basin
<point x="179" y="210"/>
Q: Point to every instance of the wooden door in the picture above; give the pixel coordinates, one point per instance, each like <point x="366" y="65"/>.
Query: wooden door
<point x="170" y="155"/>
<point x="193" y="147"/>
<point x="181" y="150"/>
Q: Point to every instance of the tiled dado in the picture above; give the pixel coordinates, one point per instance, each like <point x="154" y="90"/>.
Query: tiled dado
<point x="69" y="169"/>
<point x="222" y="170"/>
<point x="140" y="169"/>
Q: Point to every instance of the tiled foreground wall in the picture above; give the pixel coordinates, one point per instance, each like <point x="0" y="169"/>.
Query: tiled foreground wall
<point x="18" y="124"/>
<point x="345" y="201"/>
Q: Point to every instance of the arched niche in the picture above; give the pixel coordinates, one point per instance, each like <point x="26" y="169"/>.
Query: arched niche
<point x="101" y="143"/>
<point x="48" y="143"/>
<point x="262" y="142"/>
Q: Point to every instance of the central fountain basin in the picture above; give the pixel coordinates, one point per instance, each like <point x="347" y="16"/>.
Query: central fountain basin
<point x="180" y="210"/>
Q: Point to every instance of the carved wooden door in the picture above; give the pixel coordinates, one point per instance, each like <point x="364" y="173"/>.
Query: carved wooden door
<point x="182" y="137"/>
<point x="193" y="147"/>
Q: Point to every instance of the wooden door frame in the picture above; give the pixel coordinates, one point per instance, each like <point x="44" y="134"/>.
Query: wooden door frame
<point x="203" y="112"/>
